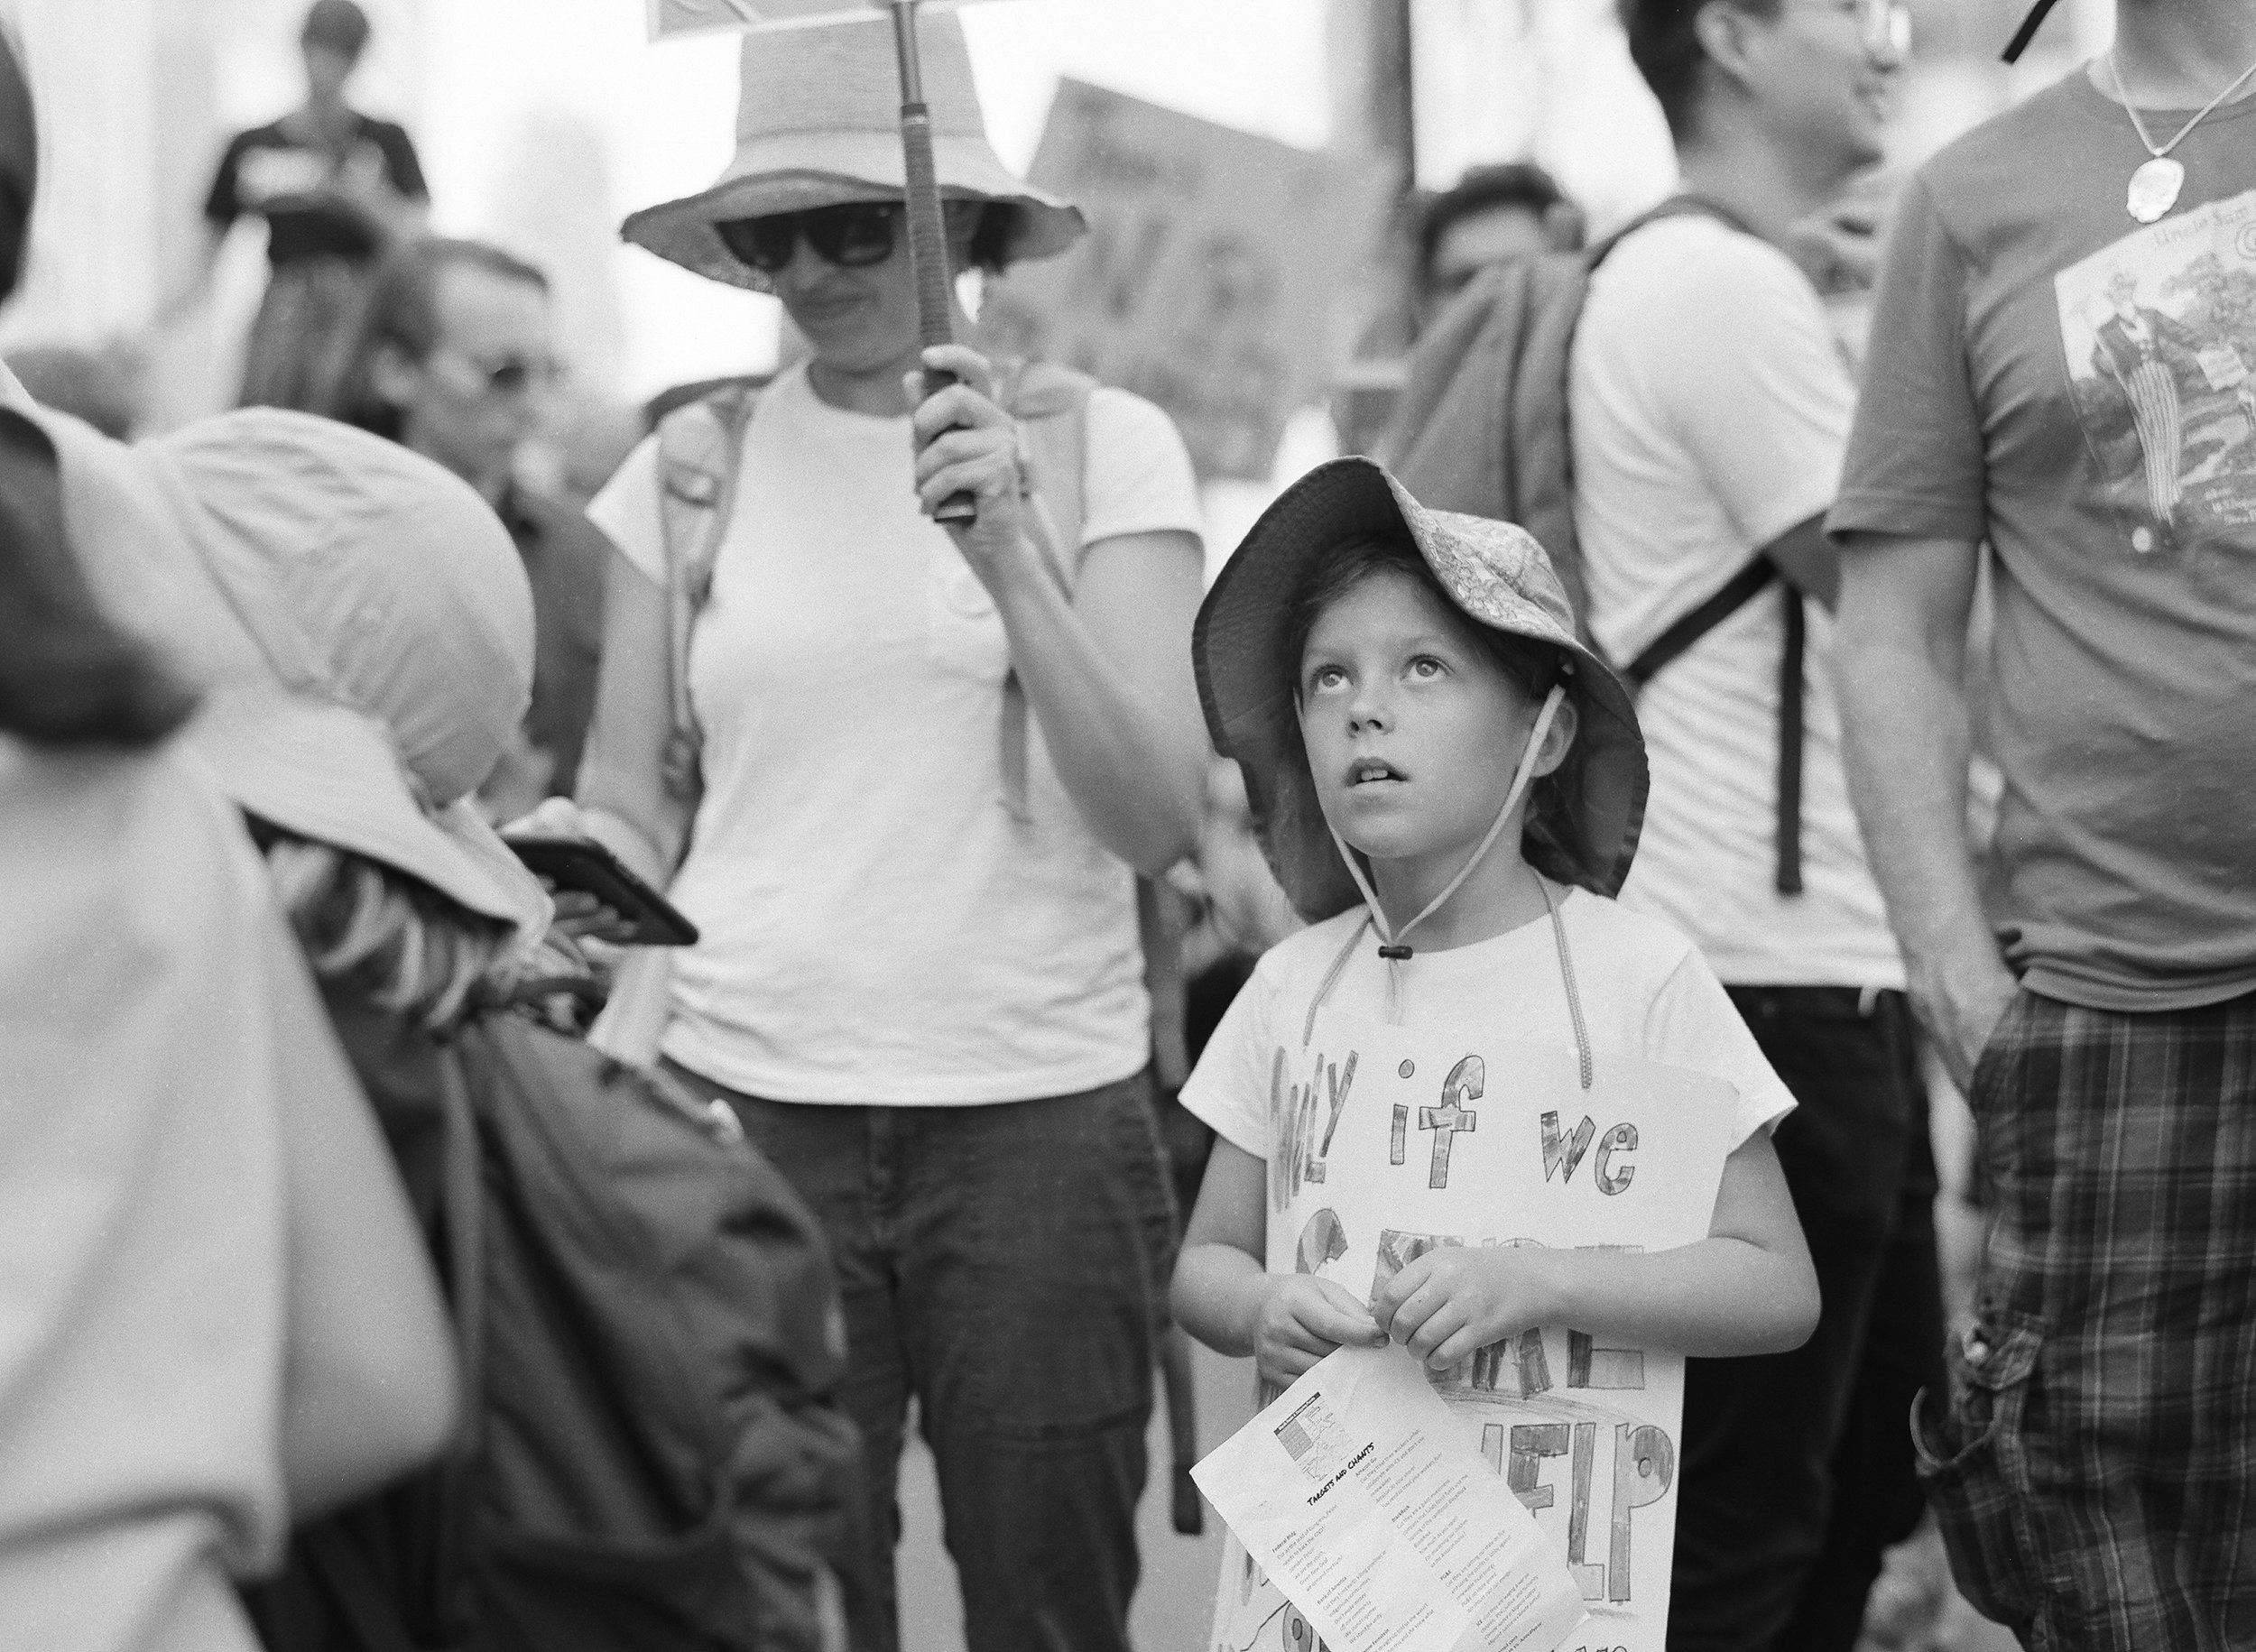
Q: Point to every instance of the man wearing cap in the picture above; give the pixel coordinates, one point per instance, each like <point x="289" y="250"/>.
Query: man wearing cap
<point x="1709" y="404"/>
<point x="2060" y="360"/>
<point x="926" y="768"/>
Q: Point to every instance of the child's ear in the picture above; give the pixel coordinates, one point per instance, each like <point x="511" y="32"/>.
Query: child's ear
<point x="1559" y="738"/>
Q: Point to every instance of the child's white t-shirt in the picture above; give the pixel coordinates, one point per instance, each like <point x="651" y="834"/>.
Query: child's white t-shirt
<point x="1644" y="989"/>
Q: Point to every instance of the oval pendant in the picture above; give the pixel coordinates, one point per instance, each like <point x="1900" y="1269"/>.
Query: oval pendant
<point x="2154" y="189"/>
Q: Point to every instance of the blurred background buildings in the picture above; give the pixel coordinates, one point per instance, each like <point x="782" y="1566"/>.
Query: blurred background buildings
<point x="542" y="122"/>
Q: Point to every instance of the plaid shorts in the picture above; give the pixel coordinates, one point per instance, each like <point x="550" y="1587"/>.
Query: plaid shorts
<point x="2094" y="1473"/>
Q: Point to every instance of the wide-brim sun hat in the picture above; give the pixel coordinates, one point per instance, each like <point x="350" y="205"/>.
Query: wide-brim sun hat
<point x="819" y="125"/>
<point x="356" y="617"/>
<point x="1496" y="573"/>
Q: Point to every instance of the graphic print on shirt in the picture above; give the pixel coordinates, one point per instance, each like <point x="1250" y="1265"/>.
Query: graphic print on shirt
<point x="1387" y="1144"/>
<point x="2160" y="331"/>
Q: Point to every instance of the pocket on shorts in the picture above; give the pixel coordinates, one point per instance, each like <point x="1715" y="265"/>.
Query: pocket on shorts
<point x="1970" y="1461"/>
<point x="1997" y="1051"/>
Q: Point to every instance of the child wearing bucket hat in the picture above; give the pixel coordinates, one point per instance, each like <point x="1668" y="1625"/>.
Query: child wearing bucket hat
<point x="904" y="781"/>
<point x="1449" y="786"/>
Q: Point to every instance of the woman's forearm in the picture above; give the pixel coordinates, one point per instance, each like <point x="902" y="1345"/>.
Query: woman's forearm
<point x="1135" y="776"/>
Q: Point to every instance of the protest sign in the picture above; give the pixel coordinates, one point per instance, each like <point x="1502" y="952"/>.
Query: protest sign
<point x="1212" y="277"/>
<point x="671" y="17"/>
<point x="1386" y="1143"/>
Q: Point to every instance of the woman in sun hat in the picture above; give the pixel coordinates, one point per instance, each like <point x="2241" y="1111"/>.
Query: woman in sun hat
<point x="1449" y="786"/>
<point x="914" y="774"/>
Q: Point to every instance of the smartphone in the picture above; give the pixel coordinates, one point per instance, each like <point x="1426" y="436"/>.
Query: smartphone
<point x="584" y="865"/>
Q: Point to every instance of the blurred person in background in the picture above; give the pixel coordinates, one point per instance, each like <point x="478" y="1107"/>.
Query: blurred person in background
<point x="335" y="188"/>
<point x="209" y="1322"/>
<point x="1493" y="214"/>
<point x="1709" y="405"/>
<point x="2052" y="418"/>
<point x="925" y="768"/>
<point x="454" y="356"/>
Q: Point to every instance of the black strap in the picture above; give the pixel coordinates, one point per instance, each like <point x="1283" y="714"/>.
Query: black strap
<point x="1749" y="583"/>
<point x="1742" y="588"/>
<point x="2028" y="30"/>
<point x="362" y="1601"/>
<point x="1789" y="741"/>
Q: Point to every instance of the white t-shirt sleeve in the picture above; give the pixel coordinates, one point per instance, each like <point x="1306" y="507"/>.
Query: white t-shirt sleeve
<point x="1229" y="1087"/>
<point x="626" y="510"/>
<point x="1691" y="1022"/>
<point x="1753" y="385"/>
<point x="1139" y="473"/>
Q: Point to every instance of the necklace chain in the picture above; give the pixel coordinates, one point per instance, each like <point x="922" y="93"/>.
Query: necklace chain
<point x="2139" y="126"/>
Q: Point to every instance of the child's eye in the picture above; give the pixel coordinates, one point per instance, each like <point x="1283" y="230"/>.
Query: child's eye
<point x="1427" y="667"/>
<point x="1327" y="677"/>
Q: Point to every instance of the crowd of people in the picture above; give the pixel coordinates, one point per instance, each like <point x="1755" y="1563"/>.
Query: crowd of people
<point x="395" y="1254"/>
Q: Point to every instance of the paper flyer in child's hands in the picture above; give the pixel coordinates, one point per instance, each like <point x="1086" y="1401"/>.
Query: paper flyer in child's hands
<point x="1358" y="1491"/>
<point x="1386" y="1143"/>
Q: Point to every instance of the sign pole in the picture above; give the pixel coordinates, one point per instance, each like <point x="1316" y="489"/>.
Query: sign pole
<point x="928" y="230"/>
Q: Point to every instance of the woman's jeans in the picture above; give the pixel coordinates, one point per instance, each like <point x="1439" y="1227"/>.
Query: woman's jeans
<point x="1007" y="1265"/>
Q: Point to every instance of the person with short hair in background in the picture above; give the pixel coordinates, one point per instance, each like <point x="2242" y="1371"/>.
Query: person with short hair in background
<point x="1709" y="402"/>
<point x="335" y="187"/>
<point x="455" y="356"/>
<point x="2061" y="354"/>
<point x="1493" y="214"/>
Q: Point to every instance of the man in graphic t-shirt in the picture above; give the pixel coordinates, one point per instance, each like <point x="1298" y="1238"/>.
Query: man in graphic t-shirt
<point x="1709" y="406"/>
<point x="2060" y="370"/>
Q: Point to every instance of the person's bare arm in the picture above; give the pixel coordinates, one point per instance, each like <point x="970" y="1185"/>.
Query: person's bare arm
<point x="1901" y="655"/>
<point x="1107" y="668"/>
<point x="1809" y="561"/>
<point x="1748" y="1288"/>
<point x="370" y="1383"/>
<point x="1224" y="1296"/>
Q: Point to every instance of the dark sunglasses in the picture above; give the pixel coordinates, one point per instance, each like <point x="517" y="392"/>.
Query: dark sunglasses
<point x="853" y="235"/>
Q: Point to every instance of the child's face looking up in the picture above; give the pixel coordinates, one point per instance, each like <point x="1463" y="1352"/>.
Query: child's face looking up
<point x="1412" y="730"/>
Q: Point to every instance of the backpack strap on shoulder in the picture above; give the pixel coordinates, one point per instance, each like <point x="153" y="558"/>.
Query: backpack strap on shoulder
<point x="1051" y="406"/>
<point x="700" y="453"/>
<point x="1741" y="589"/>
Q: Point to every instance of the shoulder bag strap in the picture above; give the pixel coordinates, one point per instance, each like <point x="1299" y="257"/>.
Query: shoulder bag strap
<point x="1742" y="589"/>
<point x="1052" y="408"/>
<point x="700" y="455"/>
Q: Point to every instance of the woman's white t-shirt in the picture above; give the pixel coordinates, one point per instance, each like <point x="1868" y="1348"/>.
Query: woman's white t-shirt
<point x="1644" y="989"/>
<point x="876" y="929"/>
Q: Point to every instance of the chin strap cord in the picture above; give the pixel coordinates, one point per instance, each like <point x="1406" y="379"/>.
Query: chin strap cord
<point x="1393" y="946"/>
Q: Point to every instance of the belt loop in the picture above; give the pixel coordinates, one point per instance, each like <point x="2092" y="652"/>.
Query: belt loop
<point x="1867" y="1001"/>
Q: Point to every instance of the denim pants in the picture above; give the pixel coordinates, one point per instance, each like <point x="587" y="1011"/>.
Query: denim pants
<point x="1007" y="1266"/>
<point x="1798" y="1468"/>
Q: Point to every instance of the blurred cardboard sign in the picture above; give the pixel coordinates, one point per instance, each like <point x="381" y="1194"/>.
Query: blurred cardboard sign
<point x="669" y="17"/>
<point x="1211" y="278"/>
